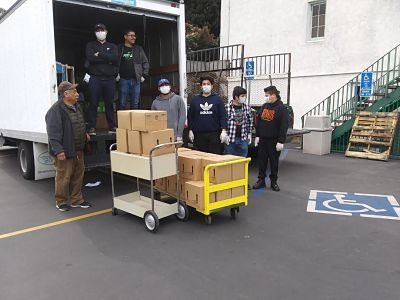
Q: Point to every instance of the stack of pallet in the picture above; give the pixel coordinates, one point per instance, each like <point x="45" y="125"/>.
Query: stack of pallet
<point x="191" y="171"/>
<point x="372" y="135"/>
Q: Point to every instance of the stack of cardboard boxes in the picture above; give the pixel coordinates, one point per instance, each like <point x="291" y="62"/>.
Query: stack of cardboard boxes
<point x="191" y="172"/>
<point x="140" y="130"/>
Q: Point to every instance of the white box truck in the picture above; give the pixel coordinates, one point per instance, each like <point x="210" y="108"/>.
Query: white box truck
<point x="38" y="33"/>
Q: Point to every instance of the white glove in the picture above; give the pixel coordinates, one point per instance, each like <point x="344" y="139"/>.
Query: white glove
<point x="86" y="78"/>
<point x="142" y="79"/>
<point x="256" y="141"/>
<point x="224" y="137"/>
<point x="117" y="78"/>
<point x="279" y="147"/>
<point x="249" y="138"/>
<point x="191" y="136"/>
<point x="179" y="139"/>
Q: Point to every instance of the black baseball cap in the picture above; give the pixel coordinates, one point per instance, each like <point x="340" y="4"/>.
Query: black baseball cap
<point x="100" y="26"/>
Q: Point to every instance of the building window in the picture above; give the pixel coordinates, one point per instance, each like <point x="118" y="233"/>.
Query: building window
<point x="318" y="10"/>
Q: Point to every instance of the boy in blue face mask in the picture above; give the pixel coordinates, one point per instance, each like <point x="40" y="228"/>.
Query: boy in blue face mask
<point x="240" y="123"/>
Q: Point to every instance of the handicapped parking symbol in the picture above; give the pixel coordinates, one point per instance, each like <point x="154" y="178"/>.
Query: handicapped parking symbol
<point x="354" y="204"/>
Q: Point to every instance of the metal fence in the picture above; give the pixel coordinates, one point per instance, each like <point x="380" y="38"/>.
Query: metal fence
<point x="273" y="69"/>
<point x="217" y="63"/>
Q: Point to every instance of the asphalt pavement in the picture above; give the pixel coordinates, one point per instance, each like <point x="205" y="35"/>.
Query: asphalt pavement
<point x="275" y="249"/>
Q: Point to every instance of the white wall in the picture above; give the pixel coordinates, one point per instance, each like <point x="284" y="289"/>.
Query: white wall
<point x="358" y="32"/>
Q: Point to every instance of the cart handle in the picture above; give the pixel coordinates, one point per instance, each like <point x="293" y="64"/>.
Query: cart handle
<point x="207" y="178"/>
<point x="226" y="163"/>
<point x="113" y="146"/>
<point x="176" y="144"/>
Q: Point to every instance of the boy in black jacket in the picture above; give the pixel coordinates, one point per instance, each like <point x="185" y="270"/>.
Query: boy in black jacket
<point x="271" y="128"/>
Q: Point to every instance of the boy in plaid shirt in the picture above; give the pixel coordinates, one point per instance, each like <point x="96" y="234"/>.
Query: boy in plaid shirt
<point x="240" y="123"/>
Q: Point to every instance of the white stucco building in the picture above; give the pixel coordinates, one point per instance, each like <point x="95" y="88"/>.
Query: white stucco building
<point x="331" y="41"/>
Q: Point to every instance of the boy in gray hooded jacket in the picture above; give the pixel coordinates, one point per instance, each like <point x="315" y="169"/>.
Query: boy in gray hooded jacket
<point x="174" y="106"/>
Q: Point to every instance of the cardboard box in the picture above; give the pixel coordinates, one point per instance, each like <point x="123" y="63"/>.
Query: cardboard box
<point x="238" y="170"/>
<point x="101" y="121"/>
<point x="190" y="167"/>
<point x="223" y="195"/>
<point x="202" y="154"/>
<point x="161" y="184"/>
<point x="124" y="119"/>
<point x="148" y="120"/>
<point x="122" y="140"/>
<point x="182" y="190"/>
<point x="183" y="150"/>
<point x="195" y="194"/>
<point x="153" y="138"/>
<point x="134" y="142"/>
<point x="238" y="191"/>
<point x="171" y="185"/>
<point x="220" y="174"/>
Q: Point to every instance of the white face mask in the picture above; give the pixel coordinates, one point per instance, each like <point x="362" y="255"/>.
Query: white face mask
<point x="267" y="99"/>
<point x="165" y="89"/>
<point x="242" y="99"/>
<point x="206" y="89"/>
<point x="101" y="35"/>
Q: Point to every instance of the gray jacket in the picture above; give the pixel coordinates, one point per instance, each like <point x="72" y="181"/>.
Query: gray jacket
<point x="140" y="63"/>
<point x="176" y="111"/>
<point x="60" y="131"/>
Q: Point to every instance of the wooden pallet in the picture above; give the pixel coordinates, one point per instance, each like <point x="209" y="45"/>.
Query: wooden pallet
<point x="372" y="135"/>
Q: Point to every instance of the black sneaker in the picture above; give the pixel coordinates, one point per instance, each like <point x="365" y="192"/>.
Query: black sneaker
<point x="84" y="204"/>
<point x="112" y="130"/>
<point x="92" y="131"/>
<point x="63" y="207"/>
<point x="275" y="186"/>
<point x="259" y="184"/>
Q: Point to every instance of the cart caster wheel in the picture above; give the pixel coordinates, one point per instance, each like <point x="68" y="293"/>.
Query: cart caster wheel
<point x="151" y="221"/>
<point x="208" y="219"/>
<point x="234" y="212"/>
<point x="114" y="211"/>
<point x="183" y="212"/>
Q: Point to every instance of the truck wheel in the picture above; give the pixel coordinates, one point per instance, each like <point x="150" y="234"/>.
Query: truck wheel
<point x="26" y="161"/>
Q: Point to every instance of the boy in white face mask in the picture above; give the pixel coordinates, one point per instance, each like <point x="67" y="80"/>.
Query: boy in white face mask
<point x="207" y="119"/>
<point x="240" y="123"/>
<point x="102" y="57"/>
<point x="174" y="106"/>
<point x="271" y="128"/>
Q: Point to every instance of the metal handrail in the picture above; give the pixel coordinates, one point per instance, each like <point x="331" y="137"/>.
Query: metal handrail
<point x="342" y="103"/>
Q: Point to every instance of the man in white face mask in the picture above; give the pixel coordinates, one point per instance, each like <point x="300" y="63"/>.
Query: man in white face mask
<point x="271" y="128"/>
<point x="207" y="119"/>
<point x="240" y="123"/>
<point x="174" y="106"/>
<point x="102" y="57"/>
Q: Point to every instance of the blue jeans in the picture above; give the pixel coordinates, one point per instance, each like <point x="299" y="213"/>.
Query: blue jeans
<point x="238" y="147"/>
<point x="129" y="88"/>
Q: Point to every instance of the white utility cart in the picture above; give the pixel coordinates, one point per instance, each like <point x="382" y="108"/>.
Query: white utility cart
<point x="148" y="168"/>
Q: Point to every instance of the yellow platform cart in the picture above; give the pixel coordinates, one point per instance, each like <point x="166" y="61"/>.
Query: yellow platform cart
<point x="232" y="203"/>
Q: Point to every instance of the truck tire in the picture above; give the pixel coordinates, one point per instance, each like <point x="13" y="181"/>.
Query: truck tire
<point x="26" y="161"/>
